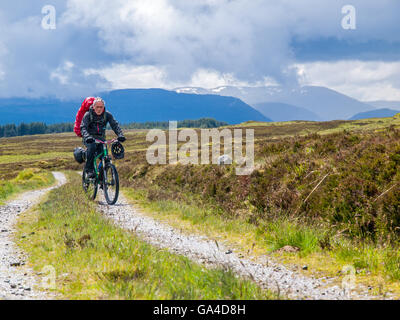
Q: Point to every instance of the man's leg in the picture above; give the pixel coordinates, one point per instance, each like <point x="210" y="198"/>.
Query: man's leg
<point x="90" y="153"/>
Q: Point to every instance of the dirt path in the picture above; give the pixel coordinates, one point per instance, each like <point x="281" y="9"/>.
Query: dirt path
<point x="266" y="273"/>
<point x="16" y="280"/>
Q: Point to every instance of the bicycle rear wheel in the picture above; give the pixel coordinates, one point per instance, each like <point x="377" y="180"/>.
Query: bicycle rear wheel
<point x="111" y="184"/>
<point x="89" y="186"/>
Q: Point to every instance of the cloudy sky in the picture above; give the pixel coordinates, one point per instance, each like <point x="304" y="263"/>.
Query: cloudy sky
<point x="100" y="44"/>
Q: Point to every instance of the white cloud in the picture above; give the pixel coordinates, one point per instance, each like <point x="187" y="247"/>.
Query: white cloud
<point x="183" y="37"/>
<point x="62" y="73"/>
<point x="248" y="40"/>
<point x="209" y="79"/>
<point x="124" y="76"/>
<point x="168" y="43"/>
<point x="363" y="80"/>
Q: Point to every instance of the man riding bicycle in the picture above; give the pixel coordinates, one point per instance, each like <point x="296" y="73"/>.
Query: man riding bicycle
<point x="93" y="126"/>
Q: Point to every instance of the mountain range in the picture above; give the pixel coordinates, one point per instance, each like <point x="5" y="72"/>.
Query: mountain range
<point x="378" y="113"/>
<point x="228" y="103"/>
<point x="133" y="105"/>
<point x="285" y="112"/>
<point x="324" y="103"/>
<point x="385" y="104"/>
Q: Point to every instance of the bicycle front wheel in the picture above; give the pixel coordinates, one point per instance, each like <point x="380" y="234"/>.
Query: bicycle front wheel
<point x="89" y="186"/>
<point x="111" y="184"/>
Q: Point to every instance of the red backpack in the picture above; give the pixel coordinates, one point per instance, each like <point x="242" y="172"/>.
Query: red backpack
<point x="81" y="112"/>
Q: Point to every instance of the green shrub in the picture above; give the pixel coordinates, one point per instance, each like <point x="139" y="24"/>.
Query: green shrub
<point x="283" y="232"/>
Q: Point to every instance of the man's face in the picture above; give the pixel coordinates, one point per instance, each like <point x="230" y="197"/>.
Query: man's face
<point x="98" y="108"/>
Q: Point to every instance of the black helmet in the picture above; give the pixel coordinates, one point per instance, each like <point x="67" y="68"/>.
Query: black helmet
<point x="117" y="150"/>
<point x="80" y="155"/>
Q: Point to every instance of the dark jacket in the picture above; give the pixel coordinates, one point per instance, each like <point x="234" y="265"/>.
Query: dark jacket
<point x="95" y="126"/>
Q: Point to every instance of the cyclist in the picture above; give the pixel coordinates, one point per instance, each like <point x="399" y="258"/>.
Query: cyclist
<point x="93" y="126"/>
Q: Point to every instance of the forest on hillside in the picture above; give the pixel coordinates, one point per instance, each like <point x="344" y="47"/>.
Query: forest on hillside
<point x="26" y="129"/>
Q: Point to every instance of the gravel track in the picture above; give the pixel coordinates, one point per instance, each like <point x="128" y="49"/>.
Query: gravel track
<point x="267" y="273"/>
<point x="17" y="281"/>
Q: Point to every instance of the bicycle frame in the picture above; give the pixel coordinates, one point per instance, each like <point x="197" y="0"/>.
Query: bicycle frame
<point x="102" y="155"/>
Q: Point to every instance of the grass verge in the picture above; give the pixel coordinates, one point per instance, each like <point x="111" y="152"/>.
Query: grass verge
<point x="27" y="179"/>
<point x="94" y="259"/>
<point x="325" y="253"/>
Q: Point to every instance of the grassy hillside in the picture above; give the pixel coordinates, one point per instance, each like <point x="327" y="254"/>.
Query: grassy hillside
<point x="354" y="162"/>
<point x="330" y="189"/>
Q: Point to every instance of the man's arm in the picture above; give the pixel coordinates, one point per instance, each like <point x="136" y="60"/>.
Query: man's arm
<point x="84" y="126"/>
<point x="114" y="124"/>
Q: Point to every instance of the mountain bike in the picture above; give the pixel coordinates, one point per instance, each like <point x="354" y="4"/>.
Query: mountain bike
<point x="106" y="176"/>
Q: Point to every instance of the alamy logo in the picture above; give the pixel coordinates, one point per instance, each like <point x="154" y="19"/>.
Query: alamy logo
<point x="349" y="20"/>
<point x="188" y="153"/>
<point x="49" y="278"/>
<point x="349" y="280"/>
<point x="49" y="20"/>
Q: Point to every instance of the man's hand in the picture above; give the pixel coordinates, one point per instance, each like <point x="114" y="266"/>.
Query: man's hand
<point x="89" y="140"/>
<point x="121" y="139"/>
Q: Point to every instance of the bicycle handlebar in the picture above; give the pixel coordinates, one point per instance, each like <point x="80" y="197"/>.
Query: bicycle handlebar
<point x="106" y="142"/>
